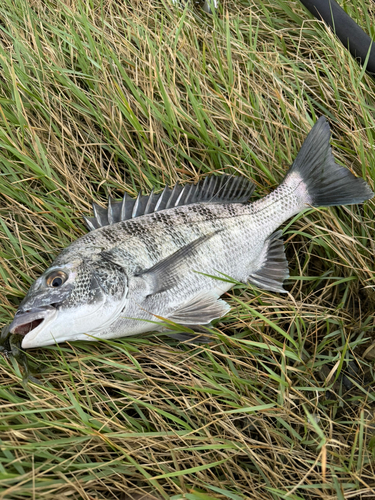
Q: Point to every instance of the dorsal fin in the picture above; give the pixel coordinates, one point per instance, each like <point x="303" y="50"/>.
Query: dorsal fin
<point x="220" y="189"/>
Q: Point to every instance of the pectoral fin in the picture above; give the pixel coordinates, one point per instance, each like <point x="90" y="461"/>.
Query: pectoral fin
<point x="167" y="273"/>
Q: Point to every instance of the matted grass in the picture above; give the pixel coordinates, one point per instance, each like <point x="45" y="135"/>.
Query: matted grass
<point x="98" y="98"/>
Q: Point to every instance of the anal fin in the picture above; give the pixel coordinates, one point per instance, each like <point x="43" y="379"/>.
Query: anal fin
<point x="274" y="266"/>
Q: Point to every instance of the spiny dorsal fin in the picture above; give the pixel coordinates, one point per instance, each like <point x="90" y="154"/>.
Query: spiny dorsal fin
<point x="274" y="269"/>
<point x="221" y="189"/>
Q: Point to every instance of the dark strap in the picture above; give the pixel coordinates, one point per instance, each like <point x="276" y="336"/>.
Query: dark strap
<point x="350" y="34"/>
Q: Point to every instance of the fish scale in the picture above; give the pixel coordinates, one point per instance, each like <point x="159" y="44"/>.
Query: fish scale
<point x="160" y="257"/>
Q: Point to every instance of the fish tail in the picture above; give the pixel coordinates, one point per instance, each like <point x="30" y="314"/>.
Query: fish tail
<point x="315" y="177"/>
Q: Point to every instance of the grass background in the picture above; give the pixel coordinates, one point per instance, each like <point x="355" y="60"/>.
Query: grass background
<point x="101" y="97"/>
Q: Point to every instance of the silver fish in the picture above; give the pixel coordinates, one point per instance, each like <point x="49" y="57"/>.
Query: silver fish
<point x="156" y="257"/>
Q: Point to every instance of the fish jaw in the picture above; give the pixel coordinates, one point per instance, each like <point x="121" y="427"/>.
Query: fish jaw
<point x="86" y="322"/>
<point x="31" y="323"/>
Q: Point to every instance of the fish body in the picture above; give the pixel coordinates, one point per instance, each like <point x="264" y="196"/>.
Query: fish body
<point x="157" y="257"/>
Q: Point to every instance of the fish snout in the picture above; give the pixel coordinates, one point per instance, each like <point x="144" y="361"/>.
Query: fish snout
<point x="27" y="320"/>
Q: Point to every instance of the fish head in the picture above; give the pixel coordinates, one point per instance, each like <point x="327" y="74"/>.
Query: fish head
<point x="74" y="299"/>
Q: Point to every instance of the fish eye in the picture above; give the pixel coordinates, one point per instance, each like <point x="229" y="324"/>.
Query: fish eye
<point x="56" y="279"/>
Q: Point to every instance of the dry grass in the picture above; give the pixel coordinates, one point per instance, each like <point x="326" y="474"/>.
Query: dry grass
<point x="98" y="98"/>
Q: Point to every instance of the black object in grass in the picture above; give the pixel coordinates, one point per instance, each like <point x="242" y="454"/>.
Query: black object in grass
<point x="10" y="346"/>
<point x="350" y="34"/>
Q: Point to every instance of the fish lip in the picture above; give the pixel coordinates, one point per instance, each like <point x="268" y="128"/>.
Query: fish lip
<point x="39" y="316"/>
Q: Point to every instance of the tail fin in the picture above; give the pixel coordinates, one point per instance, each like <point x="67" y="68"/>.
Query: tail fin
<point x="326" y="182"/>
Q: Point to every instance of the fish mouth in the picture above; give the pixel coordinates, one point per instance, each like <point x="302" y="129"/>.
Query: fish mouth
<point x="27" y="327"/>
<point x="30" y="321"/>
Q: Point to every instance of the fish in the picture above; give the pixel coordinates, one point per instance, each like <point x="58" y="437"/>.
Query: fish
<point x="159" y="260"/>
